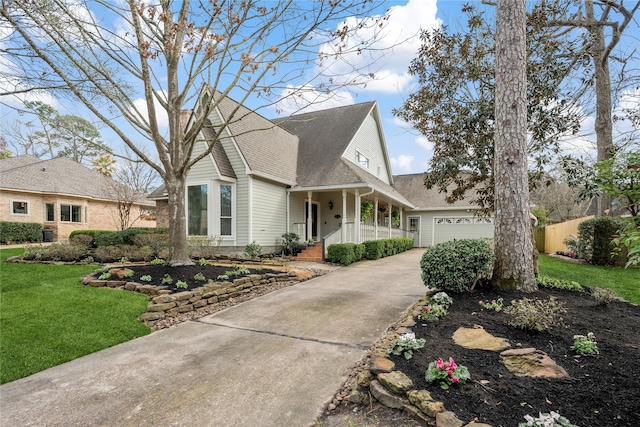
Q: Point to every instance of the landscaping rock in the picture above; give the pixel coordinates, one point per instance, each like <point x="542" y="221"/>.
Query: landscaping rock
<point x="416" y="414"/>
<point x="474" y="424"/>
<point x="448" y="419"/>
<point x="479" y="339"/>
<point x="385" y="397"/>
<point x="120" y="273"/>
<point x="531" y="363"/>
<point x="364" y="378"/>
<point x="359" y="397"/>
<point x="422" y="400"/>
<point x="381" y="365"/>
<point x="396" y="382"/>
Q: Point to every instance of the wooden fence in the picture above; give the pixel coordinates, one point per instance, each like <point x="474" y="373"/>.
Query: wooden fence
<point x="550" y="239"/>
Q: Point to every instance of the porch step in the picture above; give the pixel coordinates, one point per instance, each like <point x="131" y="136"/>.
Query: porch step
<point x="311" y="253"/>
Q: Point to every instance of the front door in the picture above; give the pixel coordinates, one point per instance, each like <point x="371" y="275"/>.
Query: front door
<point x="414" y="227"/>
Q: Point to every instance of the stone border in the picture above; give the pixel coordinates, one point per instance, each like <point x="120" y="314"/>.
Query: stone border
<point x="164" y="304"/>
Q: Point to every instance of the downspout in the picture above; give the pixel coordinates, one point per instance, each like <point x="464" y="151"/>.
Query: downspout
<point x="250" y="221"/>
<point x="288" y="214"/>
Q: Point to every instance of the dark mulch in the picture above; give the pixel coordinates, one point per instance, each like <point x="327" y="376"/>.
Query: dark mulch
<point x="604" y="390"/>
<point x="187" y="273"/>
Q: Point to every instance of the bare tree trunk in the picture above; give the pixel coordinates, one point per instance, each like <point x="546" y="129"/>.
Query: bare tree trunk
<point x="513" y="268"/>
<point x="179" y="246"/>
<point x="604" y="122"/>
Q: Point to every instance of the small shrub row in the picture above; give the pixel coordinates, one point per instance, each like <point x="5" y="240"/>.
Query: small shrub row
<point x="66" y="252"/>
<point x="457" y="265"/>
<point x="20" y="232"/>
<point x="376" y="249"/>
<point x="111" y="237"/>
<point x="347" y="253"/>
<point x="550" y="282"/>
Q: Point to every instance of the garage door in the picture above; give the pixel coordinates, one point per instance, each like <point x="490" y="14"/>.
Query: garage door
<point x="449" y="228"/>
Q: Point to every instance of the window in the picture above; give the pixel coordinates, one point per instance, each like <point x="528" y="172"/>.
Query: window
<point x="197" y="206"/>
<point x="362" y="160"/>
<point x="226" y="210"/>
<point x="19" y="207"/>
<point x="49" y="212"/>
<point x="70" y="213"/>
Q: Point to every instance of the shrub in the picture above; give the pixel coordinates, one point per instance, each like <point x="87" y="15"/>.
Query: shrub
<point x="205" y="246"/>
<point x="66" y="252"/>
<point x="82" y="240"/>
<point x="373" y="249"/>
<point x="345" y="253"/>
<point x="432" y="312"/>
<point x="290" y="241"/>
<point x="107" y="238"/>
<point x="537" y="315"/>
<point x="603" y="295"/>
<point x="157" y="261"/>
<point x="20" y="232"/>
<point x="595" y="238"/>
<point x="456" y="265"/>
<point x="253" y="250"/>
<point x="157" y="242"/>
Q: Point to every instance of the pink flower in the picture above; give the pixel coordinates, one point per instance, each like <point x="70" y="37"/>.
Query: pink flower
<point x="454" y="380"/>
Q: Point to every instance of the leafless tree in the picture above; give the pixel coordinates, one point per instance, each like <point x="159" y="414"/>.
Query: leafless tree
<point x="165" y="52"/>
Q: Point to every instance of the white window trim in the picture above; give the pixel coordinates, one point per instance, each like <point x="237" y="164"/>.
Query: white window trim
<point x="233" y="211"/>
<point x="20" y="201"/>
<point x="364" y="164"/>
<point x="186" y="202"/>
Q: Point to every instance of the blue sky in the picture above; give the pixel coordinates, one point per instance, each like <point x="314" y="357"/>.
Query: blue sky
<point x="409" y="152"/>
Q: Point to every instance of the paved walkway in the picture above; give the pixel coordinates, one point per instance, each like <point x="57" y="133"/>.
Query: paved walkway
<point x="276" y="360"/>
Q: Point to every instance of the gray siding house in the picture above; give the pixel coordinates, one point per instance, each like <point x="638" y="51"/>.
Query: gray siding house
<point x="307" y="174"/>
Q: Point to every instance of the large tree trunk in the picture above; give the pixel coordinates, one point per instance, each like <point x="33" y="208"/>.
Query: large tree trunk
<point x="513" y="268"/>
<point x="178" y="243"/>
<point x="604" y="123"/>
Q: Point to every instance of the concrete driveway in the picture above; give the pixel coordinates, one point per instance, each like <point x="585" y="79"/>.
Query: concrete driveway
<point x="276" y="360"/>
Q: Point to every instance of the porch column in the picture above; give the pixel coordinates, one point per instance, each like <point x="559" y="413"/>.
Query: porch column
<point x="309" y="215"/>
<point x="401" y="209"/>
<point x="390" y="217"/>
<point x="357" y="217"/>
<point x="375" y="216"/>
<point x="343" y="232"/>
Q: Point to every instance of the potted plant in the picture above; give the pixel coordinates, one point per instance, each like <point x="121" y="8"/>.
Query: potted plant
<point x="310" y="242"/>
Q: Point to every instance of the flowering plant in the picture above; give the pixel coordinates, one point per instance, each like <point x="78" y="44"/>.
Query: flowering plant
<point x="432" y="312"/>
<point x="405" y="345"/>
<point x="446" y="373"/>
<point x="552" y="419"/>
<point x="585" y="345"/>
<point x="495" y="305"/>
<point x="442" y="298"/>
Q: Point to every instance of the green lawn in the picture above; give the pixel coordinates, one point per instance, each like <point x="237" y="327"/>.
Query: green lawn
<point x="625" y="282"/>
<point x="47" y="317"/>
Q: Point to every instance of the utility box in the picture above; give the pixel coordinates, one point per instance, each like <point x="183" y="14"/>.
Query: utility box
<point x="47" y="236"/>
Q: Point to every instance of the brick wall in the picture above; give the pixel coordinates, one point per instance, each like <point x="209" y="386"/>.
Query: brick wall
<point x="96" y="214"/>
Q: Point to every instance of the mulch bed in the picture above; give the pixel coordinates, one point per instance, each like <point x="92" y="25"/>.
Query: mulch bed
<point x="604" y="390"/>
<point x="186" y="273"/>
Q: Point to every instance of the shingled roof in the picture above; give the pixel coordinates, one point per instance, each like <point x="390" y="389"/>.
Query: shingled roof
<point x="412" y="187"/>
<point x="268" y="149"/>
<point x="324" y="136"/>
<point x="60" y="175"/>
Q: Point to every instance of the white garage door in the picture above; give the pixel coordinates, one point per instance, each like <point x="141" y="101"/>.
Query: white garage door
<point x="449" y="228"/>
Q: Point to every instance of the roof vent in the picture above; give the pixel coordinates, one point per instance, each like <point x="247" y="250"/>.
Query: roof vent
<point x="44" y="169"/>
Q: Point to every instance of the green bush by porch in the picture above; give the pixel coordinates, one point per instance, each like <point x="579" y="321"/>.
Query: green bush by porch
<point x="348" y="253"/>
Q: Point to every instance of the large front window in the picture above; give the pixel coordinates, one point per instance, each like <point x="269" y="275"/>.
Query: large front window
<point x="197" y="207"/>
<point x="226" y="203"/>
<point x="19" y="208"/>
<point x="70" y="213"/>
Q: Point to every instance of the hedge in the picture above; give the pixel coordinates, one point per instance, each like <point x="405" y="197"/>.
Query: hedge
<point x="347" y="253"/>
<point x="20" y="232"/>
<point x="597" y="234"/>
<point x="113" y="238"/>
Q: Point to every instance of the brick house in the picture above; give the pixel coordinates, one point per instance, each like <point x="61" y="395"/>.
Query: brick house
<point x="64" y="196"/>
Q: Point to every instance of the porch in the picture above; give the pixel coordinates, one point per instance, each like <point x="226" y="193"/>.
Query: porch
<point x="348" y="215"/>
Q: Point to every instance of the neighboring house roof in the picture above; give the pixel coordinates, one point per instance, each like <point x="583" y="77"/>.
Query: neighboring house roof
<point x="412" y="187"/>
<point x="60" y="175"/>
<point x="268" y="150"/>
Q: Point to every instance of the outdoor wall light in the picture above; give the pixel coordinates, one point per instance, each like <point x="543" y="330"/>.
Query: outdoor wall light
<point x="330" y="205"/>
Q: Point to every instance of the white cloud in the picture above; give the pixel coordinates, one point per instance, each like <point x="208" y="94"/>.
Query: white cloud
<point x="305" y="99"/>
<point x="402" y="163"/>
<point x="423" y="142"/>
<point x="388" y="57"/>
<point x="140" y="105"/>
